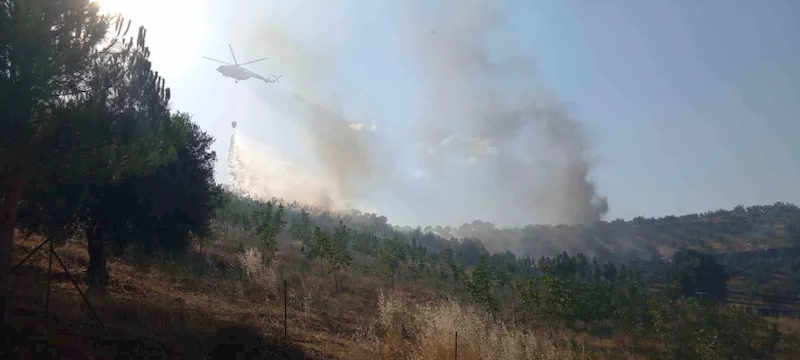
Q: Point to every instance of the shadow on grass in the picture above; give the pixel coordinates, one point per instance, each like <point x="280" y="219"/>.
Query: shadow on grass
<point x="62" y="341"/>
<point x="132" y="330"/>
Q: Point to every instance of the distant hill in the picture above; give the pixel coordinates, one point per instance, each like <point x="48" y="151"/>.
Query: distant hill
<point x="740" y="229"/>
<point x="722" y="231"/>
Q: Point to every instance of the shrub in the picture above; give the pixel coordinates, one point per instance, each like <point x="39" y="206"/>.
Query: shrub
<point x="261" y="279"/>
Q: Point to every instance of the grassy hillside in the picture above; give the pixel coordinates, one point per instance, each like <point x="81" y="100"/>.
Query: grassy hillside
<point x="216" y="300"/>
<point x="740" y="229"/>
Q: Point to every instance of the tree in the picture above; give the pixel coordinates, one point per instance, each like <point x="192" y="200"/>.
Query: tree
<point x="390" y="255"/>
<point x="315" y="248"/>
<point x="269" y="223"/>
<point x="481" y="287"/>
<point x="365" y="242"/>
<point x="336" y="252"/>
<point x="302" y="230"/>
<point x="177" y="202"/>
<point x="46" y="48"/>
<point x="106" y="127"/>
<point x="416" y="261"/>
<point x="699" y="273"/>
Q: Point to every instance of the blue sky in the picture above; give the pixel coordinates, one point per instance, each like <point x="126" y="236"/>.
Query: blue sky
<point x="688" y="105"/>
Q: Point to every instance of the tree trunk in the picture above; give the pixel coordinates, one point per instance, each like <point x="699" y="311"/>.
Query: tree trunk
<point x="321" y="269"/>
<point x="8" y="223"/>
<point x="97" y="273"/>
<point x="335" y="283"/>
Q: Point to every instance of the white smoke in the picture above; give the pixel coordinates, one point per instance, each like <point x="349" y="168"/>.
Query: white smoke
<point x="262" y="172"/>
<point x="487" y="128"/>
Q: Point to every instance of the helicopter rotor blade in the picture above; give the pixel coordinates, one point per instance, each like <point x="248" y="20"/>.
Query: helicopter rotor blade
<point x="234" y="56"/>
<point x="254" y="61"/>
<point x="219" y="61"/>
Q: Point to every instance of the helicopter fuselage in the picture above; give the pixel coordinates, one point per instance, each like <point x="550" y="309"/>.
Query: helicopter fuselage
<point x="233" y="71"/>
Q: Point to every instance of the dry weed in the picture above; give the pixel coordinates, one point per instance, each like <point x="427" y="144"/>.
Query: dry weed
<point x="404" y="330"/>
<point x="261" y="279"/>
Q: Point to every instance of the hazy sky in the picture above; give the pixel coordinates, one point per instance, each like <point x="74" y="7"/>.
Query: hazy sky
<point x="688" y="105"/>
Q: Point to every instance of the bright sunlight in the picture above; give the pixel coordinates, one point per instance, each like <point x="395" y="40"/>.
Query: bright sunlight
<point x="172" y="27"/>
<point x="149" y="12"/>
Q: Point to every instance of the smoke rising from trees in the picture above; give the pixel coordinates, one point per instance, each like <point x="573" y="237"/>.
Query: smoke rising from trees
<point x="262" y="172"/>
<point x="527" y="158"/>
<point x="502" y="122"/>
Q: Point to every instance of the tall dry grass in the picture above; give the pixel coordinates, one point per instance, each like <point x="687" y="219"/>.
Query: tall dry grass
<point x="403" y="329"/>
<point x="262" y="281"/>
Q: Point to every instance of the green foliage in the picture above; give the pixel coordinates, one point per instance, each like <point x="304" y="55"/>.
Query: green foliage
<point x="417" y="264"/>
<point x="315" y="247"/>
<point x="365" y="242"/>
<point x="302" y="230"/>
<point x="391" y="254"/>
<point x="268" y="223"/>
<point x="482" y="287"/>
<point x="336" y="251"/>
<point x="178" y="201"/>
<point x="95" y="127"/>
<point x="699" y="274"/>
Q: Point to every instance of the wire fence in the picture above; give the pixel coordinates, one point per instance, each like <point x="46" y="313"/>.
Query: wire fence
<point x="271" y="352"/>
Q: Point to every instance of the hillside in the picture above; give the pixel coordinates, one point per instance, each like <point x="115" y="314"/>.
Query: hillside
<point x="216" y="299"/>
<point x="117" y="241"/>
<point x="740" y="229"/>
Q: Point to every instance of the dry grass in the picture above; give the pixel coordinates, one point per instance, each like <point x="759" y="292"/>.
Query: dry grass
<point x="261" y="279"/>
<point x="403" y="329"/>
<point x="182" y="304"/>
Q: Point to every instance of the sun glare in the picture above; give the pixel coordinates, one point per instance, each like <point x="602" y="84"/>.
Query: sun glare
<point x="147" y="12"/>
<point x="172" y="27"/>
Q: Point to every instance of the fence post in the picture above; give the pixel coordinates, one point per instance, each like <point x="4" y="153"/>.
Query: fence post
<point x="284" y="308"/>
<point x="456" y="347"/>
<point x="49" y="277"/>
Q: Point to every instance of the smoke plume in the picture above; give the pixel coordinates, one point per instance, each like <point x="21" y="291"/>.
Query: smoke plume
<point x="488" y="112"/>
<point x="308" y="95"/>
<point x="262" y="172"/>
<point x="487" y="126"/>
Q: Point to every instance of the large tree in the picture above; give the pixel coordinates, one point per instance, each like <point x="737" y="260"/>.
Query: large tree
<point x="46" y="51"/>
<point x="166" y="208"/>
<point x="115" y="127"/>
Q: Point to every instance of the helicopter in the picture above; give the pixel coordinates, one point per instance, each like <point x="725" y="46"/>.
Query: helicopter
<point x="237" y="72"/>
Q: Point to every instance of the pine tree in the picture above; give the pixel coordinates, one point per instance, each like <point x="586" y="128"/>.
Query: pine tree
<point x="417" y="264"/>
<point x="482" y="287"/>
<point x="336" y="252"/>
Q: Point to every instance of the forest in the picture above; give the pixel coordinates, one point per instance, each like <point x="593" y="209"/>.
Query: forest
<point x="96" y="164"/>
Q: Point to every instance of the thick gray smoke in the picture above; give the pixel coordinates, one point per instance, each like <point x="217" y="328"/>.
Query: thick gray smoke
<point x="527" y="158"/>
<point x="487" y="111"/>
<point x="341" y="146"/>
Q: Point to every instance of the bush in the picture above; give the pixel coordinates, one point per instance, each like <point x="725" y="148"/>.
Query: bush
<point x="261" y="279"/>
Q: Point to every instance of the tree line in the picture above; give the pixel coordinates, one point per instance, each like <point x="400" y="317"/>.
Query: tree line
<point x="687" y="316"/>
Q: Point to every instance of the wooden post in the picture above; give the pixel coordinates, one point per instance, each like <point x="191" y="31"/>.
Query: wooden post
<point x="456" y="348"/>
<point x="284" y="308"/>
<point x="49" y="277"/>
